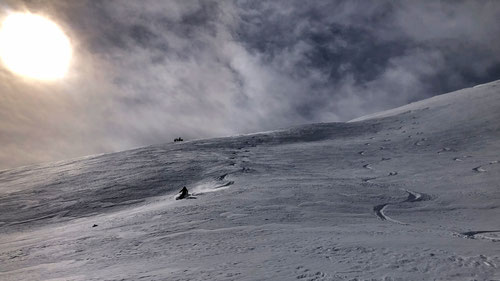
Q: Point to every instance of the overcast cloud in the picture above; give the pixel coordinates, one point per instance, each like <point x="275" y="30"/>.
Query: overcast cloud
<point x="145" y="72"/>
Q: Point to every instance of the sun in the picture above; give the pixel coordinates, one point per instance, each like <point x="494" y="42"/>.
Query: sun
<point x="34" y="46"/>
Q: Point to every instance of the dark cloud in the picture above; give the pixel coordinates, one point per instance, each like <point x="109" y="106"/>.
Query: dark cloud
<point x="374" y="55"/>
<point x="145" y="72"/>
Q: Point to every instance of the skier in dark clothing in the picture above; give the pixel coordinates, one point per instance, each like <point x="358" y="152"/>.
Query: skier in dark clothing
<point x="183" y="194"/>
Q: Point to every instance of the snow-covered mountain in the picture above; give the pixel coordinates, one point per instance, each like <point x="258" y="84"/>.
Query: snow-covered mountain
<point x="407" y="194"/>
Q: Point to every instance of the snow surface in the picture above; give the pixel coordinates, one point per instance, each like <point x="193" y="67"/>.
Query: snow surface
<point x="408" y="194"/>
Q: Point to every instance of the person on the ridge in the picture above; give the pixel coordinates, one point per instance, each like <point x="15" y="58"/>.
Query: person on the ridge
<point x="184" y="193"/>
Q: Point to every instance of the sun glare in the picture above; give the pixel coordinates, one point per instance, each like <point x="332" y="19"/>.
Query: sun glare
<point x="34" y="47"/>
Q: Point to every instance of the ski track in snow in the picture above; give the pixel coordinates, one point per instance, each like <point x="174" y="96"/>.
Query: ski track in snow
<point x="412" y="198"/>
<point x="368" y="180"/>
<point x="481" y="235"/>
<point x="481" y="169"/>
<point x="368" y="166"/>
<point x="444" y="149"/>
<point x="202" y="188"/>
<point x="420" y="142"/>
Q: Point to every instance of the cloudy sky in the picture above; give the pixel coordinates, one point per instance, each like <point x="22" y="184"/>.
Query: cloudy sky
<point x="145" y="72"/>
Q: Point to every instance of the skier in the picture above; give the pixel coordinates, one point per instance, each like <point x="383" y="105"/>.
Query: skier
<point x="183" y="194"/>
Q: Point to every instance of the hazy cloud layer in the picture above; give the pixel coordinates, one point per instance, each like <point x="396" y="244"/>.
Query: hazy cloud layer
<point x="145" y="72"/>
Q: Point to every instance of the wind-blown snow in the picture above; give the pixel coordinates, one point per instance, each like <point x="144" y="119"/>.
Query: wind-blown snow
<point x="408" y="194"/>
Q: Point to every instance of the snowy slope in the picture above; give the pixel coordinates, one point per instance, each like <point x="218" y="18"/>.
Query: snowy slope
<point x="408" y="194"/>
